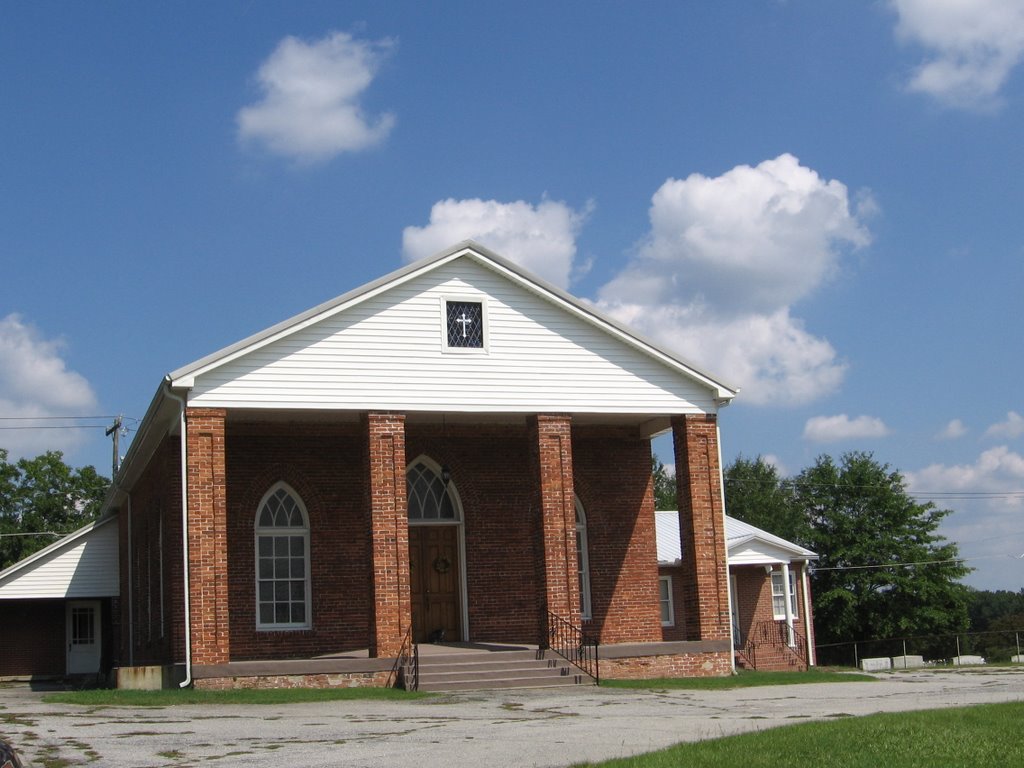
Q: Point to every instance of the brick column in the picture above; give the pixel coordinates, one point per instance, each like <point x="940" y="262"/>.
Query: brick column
<point x="551" y="445"/>
<point x="701" y="527"/>
<point x="207" y="535"/>
<point x="389" y="533"/>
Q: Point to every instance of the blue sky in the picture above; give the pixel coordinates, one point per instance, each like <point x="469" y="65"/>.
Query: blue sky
<point x="820" y="202"/>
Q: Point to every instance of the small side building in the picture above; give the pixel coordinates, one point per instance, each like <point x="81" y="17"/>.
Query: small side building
<point x="769" y="594"/>
<point x="58" y="607"/>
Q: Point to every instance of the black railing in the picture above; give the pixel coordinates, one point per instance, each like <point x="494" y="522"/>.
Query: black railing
<point x="574" y="645"/>
<point x="406" y="671"/>
<point x="776" y="636"/>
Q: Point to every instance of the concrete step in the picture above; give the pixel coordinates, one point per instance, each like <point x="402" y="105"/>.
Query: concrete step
<point x="506" y="669"/>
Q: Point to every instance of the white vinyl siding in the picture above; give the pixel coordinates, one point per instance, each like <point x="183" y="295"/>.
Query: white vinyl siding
<point x="83" y="565"/>
<point x="387" y="352"/>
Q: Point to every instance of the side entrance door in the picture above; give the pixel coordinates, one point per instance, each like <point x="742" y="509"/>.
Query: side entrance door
<point x="83" y="637"/>
<point x="434" y="575"/>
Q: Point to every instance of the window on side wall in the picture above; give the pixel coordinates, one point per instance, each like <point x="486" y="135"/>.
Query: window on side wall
<point x="282" y="561"/>
<point x="779" y="596"/>
<point x="668" y="617"/>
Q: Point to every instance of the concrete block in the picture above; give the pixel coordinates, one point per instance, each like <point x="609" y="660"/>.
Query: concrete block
<point x="963" y="661"/>
<point x="149" y="678"/>
<point x="907" y="662"/>
<point x="876" y="665"/>
<point x="1017" y="659"/>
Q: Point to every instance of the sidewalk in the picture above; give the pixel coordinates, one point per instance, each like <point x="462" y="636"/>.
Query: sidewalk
<point x="503" y="728"/>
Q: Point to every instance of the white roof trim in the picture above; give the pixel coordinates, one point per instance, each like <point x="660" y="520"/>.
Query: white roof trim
<point x="738" y="535"/>
<point x="185" y="376"/>
<point x="65" y="542"/>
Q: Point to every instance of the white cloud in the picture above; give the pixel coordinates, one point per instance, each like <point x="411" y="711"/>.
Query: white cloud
<point x="952" y="431"/>
<point x="724" y="261"/>
<point x="973" y="45"/>
<point x="35" y="381"/>
<point x="310" y="108"/>
<point x="986" y="498"/>
<point x="997" y="471"/>
<point x="831" y="429"/>
<point x="772" y="460"/>
<point x="541" y="238"/>
<point x="1010" y="429"/>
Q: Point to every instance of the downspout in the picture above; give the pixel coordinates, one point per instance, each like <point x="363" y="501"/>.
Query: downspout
<point x="184" y="535"/>
<point x="811" y="661"/>
<point x="728" y="590"/>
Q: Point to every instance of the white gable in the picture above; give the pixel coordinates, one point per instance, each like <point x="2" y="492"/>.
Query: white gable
<point x="745" y="544"/>
<point x="387" y="351"/>
<point x="82" y="564"/>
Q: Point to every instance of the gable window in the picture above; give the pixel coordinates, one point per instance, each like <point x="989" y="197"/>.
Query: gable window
<point x="282" y="561"/>
<point x="582" y="561"/>
<point x="668" y="616"/>
<point x="779" y="594"/>
<point x="464" y="324"/>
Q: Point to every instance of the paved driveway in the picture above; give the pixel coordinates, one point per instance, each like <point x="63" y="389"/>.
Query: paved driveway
<point x="510" y="728"/>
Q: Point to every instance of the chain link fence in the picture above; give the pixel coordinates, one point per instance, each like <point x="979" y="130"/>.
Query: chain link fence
<point x="1002" y="646"/>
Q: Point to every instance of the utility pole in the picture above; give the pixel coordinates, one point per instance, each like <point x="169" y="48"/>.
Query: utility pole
<point x="115" y="432"/>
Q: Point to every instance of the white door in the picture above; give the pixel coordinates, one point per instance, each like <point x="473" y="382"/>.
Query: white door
<point x="83" y="623"/>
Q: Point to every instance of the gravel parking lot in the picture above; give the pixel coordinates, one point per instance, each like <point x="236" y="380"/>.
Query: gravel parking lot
<point x="507" y="728"/>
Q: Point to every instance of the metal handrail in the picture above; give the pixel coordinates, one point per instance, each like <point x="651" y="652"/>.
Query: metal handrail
<point x="574" y="645"/>
<point x="775" y="634"/>
<point x="406" y="670"/>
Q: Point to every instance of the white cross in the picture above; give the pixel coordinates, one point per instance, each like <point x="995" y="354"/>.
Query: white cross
<point x="464" y="321"/>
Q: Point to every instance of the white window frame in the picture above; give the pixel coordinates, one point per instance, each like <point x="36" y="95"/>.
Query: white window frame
<point x="779" y="595"/>
<point x="486" y="335"/>
<point x="583" y="562"/>
<point x="290" y="531"/>
<point x="666" y="600"/>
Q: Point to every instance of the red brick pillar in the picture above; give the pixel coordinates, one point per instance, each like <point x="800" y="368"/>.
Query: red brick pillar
<point x="207" y="536"/>
<point x="389" y="534"/>
<point x="551" y="442"/>
<point x="701" y="527"/>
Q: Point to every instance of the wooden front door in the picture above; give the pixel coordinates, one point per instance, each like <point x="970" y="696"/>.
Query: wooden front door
<point x="434" y="576"/>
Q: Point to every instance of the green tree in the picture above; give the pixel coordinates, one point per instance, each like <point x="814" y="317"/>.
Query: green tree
<point x="755" y="494"/>
<point x="43" y="496"/>
<point x="664" y="486"/>
<point x="884" y="571"/>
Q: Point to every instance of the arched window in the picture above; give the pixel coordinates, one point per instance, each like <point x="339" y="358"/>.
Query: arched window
<point x="282" y="561"/>
<point x="582" y="560"/>
<point x="430" y="498"/>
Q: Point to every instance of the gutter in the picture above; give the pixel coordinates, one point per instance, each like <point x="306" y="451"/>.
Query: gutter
<point x="184" y="533"/>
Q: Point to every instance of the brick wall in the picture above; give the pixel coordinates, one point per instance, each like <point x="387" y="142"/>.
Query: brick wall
<point x="701" y="527"/>
<point x="492" y="470"/>
<point x="32" y="639"/>
<point x="613" y="481"/>
<point x="324" y="465"/>
<point x="207" y="535"/>
<point x="550" y="440"/>
<point x="389" y="532"/>
<point x="677" y="665"/>
<point x="754" y="603"/>
<point x="155" y="628"/>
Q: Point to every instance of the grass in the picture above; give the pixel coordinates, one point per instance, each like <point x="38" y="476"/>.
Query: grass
<point x="742" y="679"/>
<point x="168" y="698"/>
<point x="981" y="736"/>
